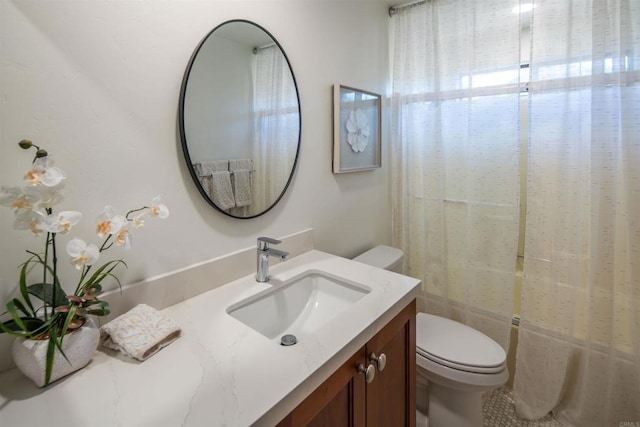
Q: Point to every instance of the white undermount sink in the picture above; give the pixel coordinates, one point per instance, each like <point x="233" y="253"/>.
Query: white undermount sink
<point x="298" y="306"/>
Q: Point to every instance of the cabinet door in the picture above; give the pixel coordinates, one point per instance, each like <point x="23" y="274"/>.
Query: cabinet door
<point x="338" y="402"/>
<point x="391" y="396"/>
<point x="389" y="400"/>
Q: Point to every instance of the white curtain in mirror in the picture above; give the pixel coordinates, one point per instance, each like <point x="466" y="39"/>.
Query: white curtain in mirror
<point x="579" y="342"/>
<point x="455" y="156"/>
<point x="276" y="125"/>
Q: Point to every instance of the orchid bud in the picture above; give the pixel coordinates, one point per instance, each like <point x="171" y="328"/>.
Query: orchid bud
<point x="41" y="153"/>
<point x="25" y="144"/>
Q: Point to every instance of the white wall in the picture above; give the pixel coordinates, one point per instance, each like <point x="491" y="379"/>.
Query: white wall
<point x="97" y="84"/>
<point x="219" y="104"/>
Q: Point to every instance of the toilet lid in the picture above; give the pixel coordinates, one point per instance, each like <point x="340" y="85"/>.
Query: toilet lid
<point x="457" y="346"/>
<point x="381" y="256"/>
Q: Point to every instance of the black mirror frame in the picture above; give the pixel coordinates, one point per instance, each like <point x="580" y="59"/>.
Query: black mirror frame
<point x="183" y="136"/>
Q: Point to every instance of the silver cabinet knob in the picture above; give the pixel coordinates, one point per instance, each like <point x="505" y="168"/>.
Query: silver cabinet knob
<point x="380" y="360"/>
<point x="369" y="372"/>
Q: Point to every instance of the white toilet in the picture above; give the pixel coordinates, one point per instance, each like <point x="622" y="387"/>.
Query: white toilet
<point x="456" y="364"/>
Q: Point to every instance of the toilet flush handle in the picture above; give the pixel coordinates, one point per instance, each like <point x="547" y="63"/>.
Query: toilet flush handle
<point x="380" y="360"/>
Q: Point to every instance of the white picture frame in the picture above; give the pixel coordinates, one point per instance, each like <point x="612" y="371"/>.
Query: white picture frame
<point x="357" y="130"/>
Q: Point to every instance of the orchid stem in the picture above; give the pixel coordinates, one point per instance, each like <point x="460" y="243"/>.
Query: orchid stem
<point x="86" y="269"/>
<point x="135" y="210"/>
<point x="44" y="269"/>
<point x="104" y="246"/>
<point x="55" y="273"/>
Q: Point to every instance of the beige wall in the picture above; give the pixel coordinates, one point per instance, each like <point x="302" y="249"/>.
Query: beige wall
<point x="97" y="84"/>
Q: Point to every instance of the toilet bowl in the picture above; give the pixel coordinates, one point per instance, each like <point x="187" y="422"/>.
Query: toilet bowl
<point x="456" y="364"/>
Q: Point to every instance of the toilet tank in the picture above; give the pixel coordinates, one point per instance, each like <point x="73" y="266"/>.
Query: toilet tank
<point x="382" y="256"/>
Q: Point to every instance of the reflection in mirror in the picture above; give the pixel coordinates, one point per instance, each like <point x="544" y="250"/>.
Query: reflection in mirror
<point x="240" y="119"/>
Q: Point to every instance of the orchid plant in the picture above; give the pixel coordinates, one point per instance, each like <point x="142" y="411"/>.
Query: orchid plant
<point x="45" y="311"/>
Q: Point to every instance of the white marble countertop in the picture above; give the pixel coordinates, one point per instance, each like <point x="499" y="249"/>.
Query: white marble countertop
<point x="220" y="372"/>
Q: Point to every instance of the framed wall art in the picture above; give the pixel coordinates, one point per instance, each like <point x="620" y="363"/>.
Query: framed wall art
<point x="357" y="126"/>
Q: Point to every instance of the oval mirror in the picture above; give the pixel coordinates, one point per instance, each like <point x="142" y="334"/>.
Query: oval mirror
<point x="240" y="119"/>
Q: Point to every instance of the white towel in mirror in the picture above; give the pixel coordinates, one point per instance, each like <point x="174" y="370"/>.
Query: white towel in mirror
<point x="212" y="166"/>
<point x="242" y="187"/>
<point x="221" y="190"/>
<point x="240" y="164"/>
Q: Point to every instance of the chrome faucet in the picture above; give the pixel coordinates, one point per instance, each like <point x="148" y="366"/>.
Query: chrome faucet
<point x="264" y="252"/>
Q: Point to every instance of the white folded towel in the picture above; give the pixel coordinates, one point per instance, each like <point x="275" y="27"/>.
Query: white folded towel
<point x="242" y="187"/>
<point x="241" y="212"/>
<point x="207" y="184"/>
<point x="211" y="166"/>
<point x="240" y="164"/>
<point x="139" y="333"/>
<point x="221" y="190"/>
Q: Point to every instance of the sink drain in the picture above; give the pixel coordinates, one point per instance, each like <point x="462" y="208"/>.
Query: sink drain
<point x="288" y="340"/>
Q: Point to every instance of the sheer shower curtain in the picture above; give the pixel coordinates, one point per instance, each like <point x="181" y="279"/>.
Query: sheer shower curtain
<point x="455" y="177"/>
<point x="277" y="125"/>
<point x="579" y="342"/>
<point x="456" y="154"/>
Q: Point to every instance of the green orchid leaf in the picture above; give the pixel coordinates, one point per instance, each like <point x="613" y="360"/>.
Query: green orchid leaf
<point x="104" y="271"/>
<point x="117" y="281"/>
<point x="51" y="350"/>
<point x="37" y="259"/>
<point x="70" y="315"/>
<point x="13" y="312"/>
<point x="20" y="306"/>
<point x="11" y="327"/>
<point x="58" y="343"/>
<point x="34" y="255"/>
<point x="23" y="287"/>
<point x="94" y="289"/>
<point x="98" y="308"/>
<point x="44" y="292"/>
<point x="45" y="327"/>
<point x="54" y="343"/>
<point x="92" y="305"/>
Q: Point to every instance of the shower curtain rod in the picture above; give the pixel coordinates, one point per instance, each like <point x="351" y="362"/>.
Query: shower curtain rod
<point x="395" y="9"/>
<point x="258" y="48"/>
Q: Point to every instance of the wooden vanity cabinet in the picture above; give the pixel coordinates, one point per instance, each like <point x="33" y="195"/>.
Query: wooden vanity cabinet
<point x="347" y="399"/>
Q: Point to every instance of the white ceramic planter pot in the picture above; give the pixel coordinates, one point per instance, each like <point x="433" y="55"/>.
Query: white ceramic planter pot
<point x="79" y="346"/>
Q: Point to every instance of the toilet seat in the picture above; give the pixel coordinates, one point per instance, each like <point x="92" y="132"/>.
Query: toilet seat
<point x="461" y="367"/>
<point x="457" y="346"/>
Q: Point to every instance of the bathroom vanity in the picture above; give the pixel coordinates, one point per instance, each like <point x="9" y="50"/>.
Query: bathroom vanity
<point x="223" y="371"/>
<point x="374" y="387"/>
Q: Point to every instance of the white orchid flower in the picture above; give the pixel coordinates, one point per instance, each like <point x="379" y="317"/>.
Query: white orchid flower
<point x="108" y="222"/>
<point x="123" y="237"/>
<point x="44" y="173"/>
<point x="158" y="208"/>
<point x="82" y="254"/>
<point x="61" y="222"/>
<point x="30" y="220"/>
<point x="138" y="220"/>
<point x="17" y="199"/>
<point x="47" y="197"/>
